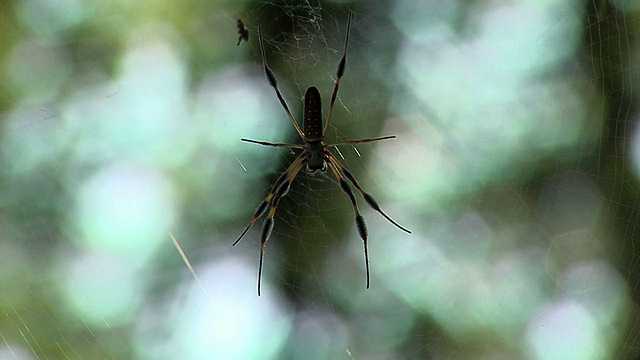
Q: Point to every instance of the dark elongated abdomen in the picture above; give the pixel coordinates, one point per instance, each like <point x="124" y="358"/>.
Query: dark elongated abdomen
<point x="312" y="114"/>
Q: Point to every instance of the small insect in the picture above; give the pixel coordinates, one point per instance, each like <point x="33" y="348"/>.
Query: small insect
<point x="242" y="31"/>
<point x="315" y="155"/>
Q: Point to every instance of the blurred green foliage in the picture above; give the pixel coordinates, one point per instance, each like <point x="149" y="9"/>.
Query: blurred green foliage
<point x="516" y="166"/>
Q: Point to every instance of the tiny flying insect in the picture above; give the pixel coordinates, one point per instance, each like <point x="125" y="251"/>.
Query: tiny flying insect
<point x="242" y="31"/>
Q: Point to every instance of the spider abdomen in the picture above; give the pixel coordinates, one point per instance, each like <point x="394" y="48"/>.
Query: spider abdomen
<point x="312" y="114"/>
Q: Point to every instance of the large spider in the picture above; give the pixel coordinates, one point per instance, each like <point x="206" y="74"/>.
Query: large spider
<point x="315" y="155"/>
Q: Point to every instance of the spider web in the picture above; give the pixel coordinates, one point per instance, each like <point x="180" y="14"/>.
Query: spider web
<point x="516" y="166"/>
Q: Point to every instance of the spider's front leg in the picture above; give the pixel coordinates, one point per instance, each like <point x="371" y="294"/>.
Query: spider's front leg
<point x="360" y="224"/>
<point x="338" y="169"/>
<point x="262" y="208"/>
<point x="281" y="190"/>
<point x="367" y="197"/>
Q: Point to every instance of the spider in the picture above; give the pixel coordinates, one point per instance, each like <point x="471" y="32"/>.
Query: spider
<point x="315" y="155"/>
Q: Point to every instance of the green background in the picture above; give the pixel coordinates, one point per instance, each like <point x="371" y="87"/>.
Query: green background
<point x="516" y="167"/>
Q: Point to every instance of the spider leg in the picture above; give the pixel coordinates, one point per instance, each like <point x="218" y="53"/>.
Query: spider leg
<point x="267" y="226"/>
<point x="267" y="143"/>
<point x="275" y="190"/>
<point x="368" y="198"/>
<point x="274" y="84"/>
<point x="351" y="142"/>
<point x="339" y="73"/>
<point x="360" y="225"/>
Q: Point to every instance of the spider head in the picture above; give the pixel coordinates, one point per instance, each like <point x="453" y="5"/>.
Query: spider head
<point x="315" y="156"/>
<point x="313" y="171"/>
